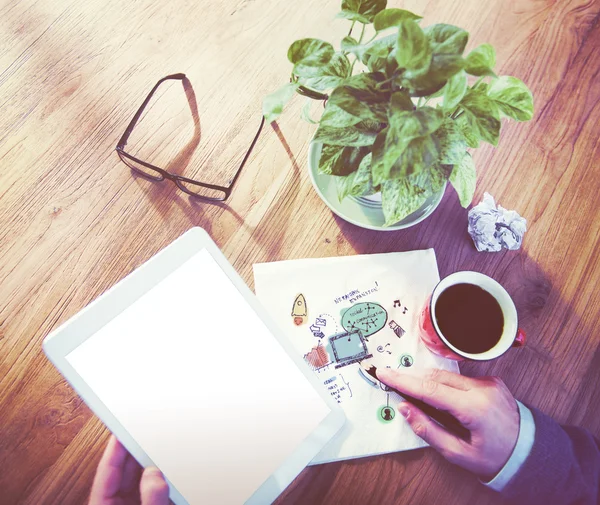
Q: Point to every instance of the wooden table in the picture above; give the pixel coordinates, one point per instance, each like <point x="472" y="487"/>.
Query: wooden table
<point x="73" y="219"/>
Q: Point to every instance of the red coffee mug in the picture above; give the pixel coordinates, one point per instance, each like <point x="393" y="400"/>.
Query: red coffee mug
<point x="433" y="338"/>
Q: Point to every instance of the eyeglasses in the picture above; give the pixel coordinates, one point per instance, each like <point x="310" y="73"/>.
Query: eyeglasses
<point x="197" y="189"/>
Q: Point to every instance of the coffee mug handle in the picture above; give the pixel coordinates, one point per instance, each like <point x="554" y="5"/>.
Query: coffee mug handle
<point x="519" y="339"/>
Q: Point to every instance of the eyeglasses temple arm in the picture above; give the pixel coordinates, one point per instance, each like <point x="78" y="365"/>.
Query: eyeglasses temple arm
<point x="123" y="140"/>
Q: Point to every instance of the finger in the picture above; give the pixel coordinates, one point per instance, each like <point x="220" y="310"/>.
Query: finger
<point x="107" y="481"/>
<point x="154" y="489"/>
<point x="131" y="475"/>
<point x="454" y="380"/>
<point x="434" y="393"/>
<point x="437" y="437"/>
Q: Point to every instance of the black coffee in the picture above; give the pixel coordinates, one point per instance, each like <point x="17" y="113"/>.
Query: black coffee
<point x="469" y="318"/>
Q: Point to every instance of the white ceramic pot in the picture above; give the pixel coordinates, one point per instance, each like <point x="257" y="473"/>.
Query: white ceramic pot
<point x="363" y="211"/>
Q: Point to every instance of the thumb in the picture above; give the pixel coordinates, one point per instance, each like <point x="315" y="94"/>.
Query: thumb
<point x="154" y="489"/>
<point x="448" y="445"/>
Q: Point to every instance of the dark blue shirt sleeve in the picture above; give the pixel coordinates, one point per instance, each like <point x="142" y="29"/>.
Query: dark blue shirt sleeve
<point x="563" y="467"/>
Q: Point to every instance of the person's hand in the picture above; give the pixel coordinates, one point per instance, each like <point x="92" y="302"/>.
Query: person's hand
<point x="484" y="406"/>
<point x="120" y="480"/>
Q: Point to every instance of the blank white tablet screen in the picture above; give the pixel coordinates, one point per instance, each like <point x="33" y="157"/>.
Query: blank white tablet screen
<point x="194" y="375"/>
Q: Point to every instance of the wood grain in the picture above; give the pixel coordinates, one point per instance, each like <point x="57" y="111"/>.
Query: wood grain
<point x="73" y="220"/>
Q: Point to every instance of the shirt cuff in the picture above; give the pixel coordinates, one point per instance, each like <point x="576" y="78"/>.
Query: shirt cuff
<point x="520" y="452"/>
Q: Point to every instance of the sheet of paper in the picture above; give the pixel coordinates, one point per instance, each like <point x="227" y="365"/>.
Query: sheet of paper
<point x="339" y="311"/>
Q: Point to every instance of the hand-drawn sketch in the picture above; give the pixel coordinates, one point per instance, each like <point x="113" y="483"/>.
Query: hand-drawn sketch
<point x="387" y="414"/>
<point x="349" y="348"/>
<point x="317" y="357"/>
<point x="352" y="326"/>
<point x="384" y="348"/>
<point x="299" y="310"/>
<point x="368" y="317"/>
<point x="406" y="360"/>
<point x="338" y="389"/>
<point x="397" y="328"/>
<point x="397" y="303"/>
<point x="316" y="331"/>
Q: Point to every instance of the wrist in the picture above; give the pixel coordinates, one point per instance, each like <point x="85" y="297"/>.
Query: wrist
<point x="522" y="448"/>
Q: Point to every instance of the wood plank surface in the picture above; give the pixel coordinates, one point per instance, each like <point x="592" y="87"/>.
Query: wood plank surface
<point x="73" y="219"/>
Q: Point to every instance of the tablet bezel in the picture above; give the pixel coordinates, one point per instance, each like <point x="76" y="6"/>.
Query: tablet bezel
<point x="59" y="343"/>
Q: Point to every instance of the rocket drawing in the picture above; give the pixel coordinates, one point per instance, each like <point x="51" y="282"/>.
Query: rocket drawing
<point x="299" y="310"/>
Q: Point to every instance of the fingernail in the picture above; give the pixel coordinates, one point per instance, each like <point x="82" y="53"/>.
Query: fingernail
<point x="153" y="471"/>
<point x="404" y="410"/>
<point x="382" y="372"/>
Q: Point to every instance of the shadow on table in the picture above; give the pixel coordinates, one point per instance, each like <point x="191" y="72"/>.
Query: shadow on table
<point x="282" y="209"/>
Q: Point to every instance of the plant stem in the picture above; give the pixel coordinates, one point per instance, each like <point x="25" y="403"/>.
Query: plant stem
<point x="352" y="66"/>
<point x="420" y="101"/>
<point x="371" y="39"/>
<point x="351" y="28"/>
<point x="311" y="93"/>
<point x="362" y="33"/>
<point x="478" y="81"/>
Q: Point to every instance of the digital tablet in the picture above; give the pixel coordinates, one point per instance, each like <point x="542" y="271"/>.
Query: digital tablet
<point x="185" y="367"/>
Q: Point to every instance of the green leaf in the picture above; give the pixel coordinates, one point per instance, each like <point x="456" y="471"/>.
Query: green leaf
<point x="307" y="53"/>
<point x="469" y="133"/>
<point x="372" y="127"/>
<point x="346" y="136"/>
<point x="438" y="176"/>
<point x="447" y="39"/>
<point x="481" y="86"/>
<point x="455" y="90"/>
<point x="351" y="45"/>
<point x="353" y="16"/>
<point x="512" y="97"/>
<point x="463" y="179"/>
<point x="385" y="150"/>
<point x="306" y="111"/>
<point x="273" y="104"/>
<point x="434" y="78"/>
<point x="451" y="142"/>
<point x="358" y="183"/>
<point x="392" y="17"/>
<point x="391" y="143"/>
<point x="361" y="97"/>
<point x="416" y="123"/>
<point x="413" y="51"/>
<point x="349" y="160"/>
<point x="367" y="9"/>
<point x="382" y="47"/>
<point x="481" y="61"/>
<point x="327" y="76"/>
<point x="335" y="117"/>
<point x="432" y="178"/>
<point x="394" y="140"/>
<point x="420" y="154"/>
<point x="400" y="101"/>
<point x="400" y="198"/>
<point x="329" y="157"/>
<point x="482" y="114"/>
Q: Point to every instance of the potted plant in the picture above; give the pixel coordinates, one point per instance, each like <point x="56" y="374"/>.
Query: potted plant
<point x="401" y="108"/>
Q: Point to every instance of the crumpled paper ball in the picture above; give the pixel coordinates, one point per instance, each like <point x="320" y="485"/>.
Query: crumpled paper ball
<point x="492" y="227"/>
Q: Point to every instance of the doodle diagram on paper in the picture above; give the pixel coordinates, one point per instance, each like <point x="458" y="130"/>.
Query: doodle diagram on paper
<point x="354" y="319"/>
